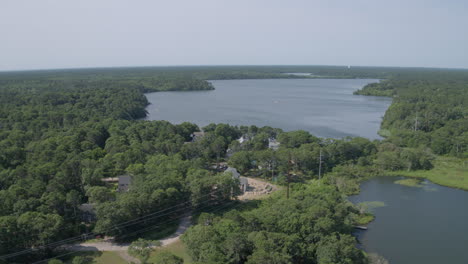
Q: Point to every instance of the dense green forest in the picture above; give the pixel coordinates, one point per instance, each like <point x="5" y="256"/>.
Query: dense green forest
<point x="63" y="131"/>
<point x="313" y="226"/>
<point x="428" y="110"/>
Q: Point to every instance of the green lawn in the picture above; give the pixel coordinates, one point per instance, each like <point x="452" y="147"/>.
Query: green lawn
<point x="447" y="171"/>
<point x="105" y="257"/>
<point x="364" y="219"/>
<point x="366" y="212"/>
<point x="176" y="248"/>
<point x="163" y="231"/>
<point x="109" y="257"/>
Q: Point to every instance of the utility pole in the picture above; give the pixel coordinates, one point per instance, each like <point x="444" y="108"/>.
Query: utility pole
<point x="416" y="123"/>
<point x="320" y="165"/>
<point x="272" y="173"/>
<point x="288" y="176"/>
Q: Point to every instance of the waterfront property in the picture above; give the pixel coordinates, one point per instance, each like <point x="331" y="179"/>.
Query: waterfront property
<point x="197" y="136"/>
<point x="273" y="144"/>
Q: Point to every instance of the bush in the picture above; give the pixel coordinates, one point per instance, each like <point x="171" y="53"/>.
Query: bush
<point x="166" y="257"/>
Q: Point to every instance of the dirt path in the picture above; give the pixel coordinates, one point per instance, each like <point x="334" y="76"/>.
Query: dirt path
<point x="121" y="248"/>
<point x="184" y="224"/>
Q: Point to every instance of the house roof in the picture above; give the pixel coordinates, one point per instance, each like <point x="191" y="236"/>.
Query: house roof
<point x="273" y="144"/>
<point x="125" y="179"/>
<point x="86" y="207"/>
<point x="198" y="134"/>
<point x="233" y="171"/>
<point x="243" y="181"/>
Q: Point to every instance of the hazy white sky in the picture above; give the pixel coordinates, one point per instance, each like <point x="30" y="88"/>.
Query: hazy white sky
<point x="37" y="34"/>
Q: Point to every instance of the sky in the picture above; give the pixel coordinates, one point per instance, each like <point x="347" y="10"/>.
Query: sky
<point x="51" y="34"/>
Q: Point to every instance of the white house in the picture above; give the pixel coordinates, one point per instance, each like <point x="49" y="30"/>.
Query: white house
<point x="273" y="144"/>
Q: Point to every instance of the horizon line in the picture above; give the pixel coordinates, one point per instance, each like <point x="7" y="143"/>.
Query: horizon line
<point x="226" y="65"/>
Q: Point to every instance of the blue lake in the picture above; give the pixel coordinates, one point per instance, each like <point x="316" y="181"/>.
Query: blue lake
<point x="324" y="107"/>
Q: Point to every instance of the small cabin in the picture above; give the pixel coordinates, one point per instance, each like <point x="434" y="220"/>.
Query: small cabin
<point x="124" y="183"/>
<point x="88" y="213"/>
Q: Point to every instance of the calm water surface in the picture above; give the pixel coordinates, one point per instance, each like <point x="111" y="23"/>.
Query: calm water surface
<point x="427" y="225"/>
<point x="324" y="107"/>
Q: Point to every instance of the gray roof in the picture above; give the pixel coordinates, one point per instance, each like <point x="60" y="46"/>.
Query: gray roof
<point x="86" y="207"/>
<point x="233" y="171"/>
<point x="126" y="179"/>
<point x="198" y="134"/>
<point x="244" y="181"/>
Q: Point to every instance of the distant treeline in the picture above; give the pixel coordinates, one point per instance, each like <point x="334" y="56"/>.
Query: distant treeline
<point x="233" y="72"/>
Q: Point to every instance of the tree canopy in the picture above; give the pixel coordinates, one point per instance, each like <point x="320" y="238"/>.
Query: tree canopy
<point x="63" y="132"/>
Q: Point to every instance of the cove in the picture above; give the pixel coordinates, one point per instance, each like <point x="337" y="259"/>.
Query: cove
<point x="426" y="224"/>
<point x="324" y="107"/>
